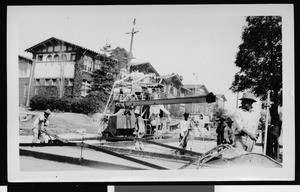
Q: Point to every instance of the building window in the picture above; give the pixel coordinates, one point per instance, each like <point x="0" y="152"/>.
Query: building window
<point x="40" y="57"/>
<point x="57" y="48"/>
<point x="54" y="82"/>
<point x="24" y="69"/>
<point x="49" y="58"/>
<point x="45" y="49"/>
<point x="70" y="48"/>
<point x="64" y="57"/>
<point x="174" y="91"/>
<point x="70" y="82"/>
<point x="85" y="86"/>
<point x="48" y="82"/>
<point x="25" y="90"/>
<point x="63" y="48"/>
<point x="73" y="57"/>
<point x="56" y="58"/>
<point x="50" y="49"/>
<point x="37" y="82"/>
<point x="90" y="64"/>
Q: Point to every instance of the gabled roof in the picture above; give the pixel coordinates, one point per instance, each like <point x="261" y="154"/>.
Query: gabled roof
<point x="192" y="86"/>
<point x="143" y="67"/>
<point x="173" y="77"/>
<point x="186" y="89"/>
<point x="26" y="58"/>
<point x="221" y="96"/>
<point x="53" y="40"/>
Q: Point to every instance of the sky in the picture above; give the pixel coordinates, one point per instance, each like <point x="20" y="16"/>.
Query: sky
<point x="197" y="42"/>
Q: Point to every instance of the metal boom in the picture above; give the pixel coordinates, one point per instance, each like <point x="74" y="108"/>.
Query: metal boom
<point x="209" y="98"/>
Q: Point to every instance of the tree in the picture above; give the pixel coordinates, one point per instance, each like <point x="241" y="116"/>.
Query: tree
<point x="121" y="55"/>
<point x="218" y="112"/>
<point x="103" y="80"/>
<point x="260" y="61"/>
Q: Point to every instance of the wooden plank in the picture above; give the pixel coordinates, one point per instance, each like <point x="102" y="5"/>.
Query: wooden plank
<point x="171" y="147"/>
<point x="96" y="148"/>
<point x="122" y="151"/>
<point x="73" y="160"/>
<point x="99" y="148"/>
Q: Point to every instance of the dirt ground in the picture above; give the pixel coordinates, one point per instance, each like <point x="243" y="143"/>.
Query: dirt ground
<point x="59" y="122"/>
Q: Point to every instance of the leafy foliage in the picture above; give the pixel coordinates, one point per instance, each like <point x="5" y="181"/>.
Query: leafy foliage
<point x="260" y="58"/>
<point x="122" y="56"/>
<point x="260" y="61"/>
<point x="104" y="78"/>
<point x="176" y="110"/>
<point x="218" y="112"/>
<point x="66" y="104"/>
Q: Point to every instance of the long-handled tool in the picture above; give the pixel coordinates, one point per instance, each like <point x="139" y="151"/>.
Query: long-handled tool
<point x="55" y="136"/>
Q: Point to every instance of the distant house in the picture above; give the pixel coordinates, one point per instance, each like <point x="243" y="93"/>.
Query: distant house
<point x="220" y="100"/>
<point x="63" y="68"/>
<point x="203" y="108"/>
<point x="197" y="90"/>
<point x="143" y="67"/>
<point x="25" y="67"/>
<point x="146" y="68"/>
<point x="172" y="86"/>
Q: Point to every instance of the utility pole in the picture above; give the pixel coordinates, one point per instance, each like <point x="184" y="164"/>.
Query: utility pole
<point x="237" y="100"/>
<point x="131" y="42"/>
<point x="30" y="82"/>
<point x="195" y="105"/>
<point x="62" y="72"/>
<point x="266" y="124"/>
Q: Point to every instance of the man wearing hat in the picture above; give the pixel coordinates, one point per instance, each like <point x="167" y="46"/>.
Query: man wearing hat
<point x="39" y="126"/>
<point x="246" y="121"/>
<point x="228" y="133"/>
<point x="220" y="130"/>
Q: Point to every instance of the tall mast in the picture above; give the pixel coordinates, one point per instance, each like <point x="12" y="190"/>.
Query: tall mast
<point x="131" y="43"/>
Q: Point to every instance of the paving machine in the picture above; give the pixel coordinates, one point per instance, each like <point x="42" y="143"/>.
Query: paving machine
<point x="133" y="96"/>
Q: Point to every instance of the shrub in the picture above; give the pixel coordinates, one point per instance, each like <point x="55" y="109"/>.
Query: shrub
<point x="38" y="102"/>
<point x="176" y="110"/>
<point x="85" y="105"/>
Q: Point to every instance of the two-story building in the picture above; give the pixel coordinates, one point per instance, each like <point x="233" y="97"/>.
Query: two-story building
<point x="25" y="68"/>
<point x="63" y="68"/>
<point x="172" y="86"/>
<point x="197" y="90"/>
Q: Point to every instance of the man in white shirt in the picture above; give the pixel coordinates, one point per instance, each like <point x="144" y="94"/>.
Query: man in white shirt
<point x="39" y="126"/>
<point x="185" y="127"/>
<point x="246" y="121"/>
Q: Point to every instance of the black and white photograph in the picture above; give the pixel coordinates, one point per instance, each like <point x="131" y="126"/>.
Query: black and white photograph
<point x="150" y="93"/>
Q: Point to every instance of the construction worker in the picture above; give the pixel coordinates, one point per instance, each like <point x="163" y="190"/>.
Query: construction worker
<point x="246" y="122"/>
<point x="139" y="131"/>
<point x="220" y="130"/>
<point x="228" y="132"/>
<point x="185" y="128"/>
<point x="39" y="126"/>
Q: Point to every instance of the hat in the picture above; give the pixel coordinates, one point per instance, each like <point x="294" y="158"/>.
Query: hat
<point x="48" y="111"/>
<point x="221" y="119"/>
<point x="229" y="120"/>
<point x="249" y="96"/>
<point x="186" y="114"/>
